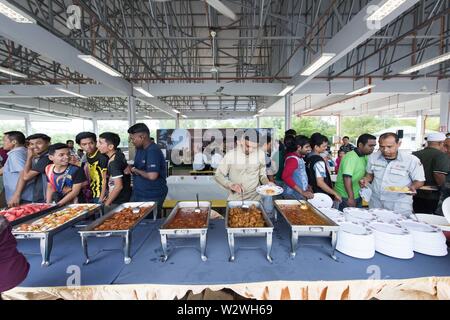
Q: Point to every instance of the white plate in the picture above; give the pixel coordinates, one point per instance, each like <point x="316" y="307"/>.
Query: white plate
<point x="321" y="200"/>
<point x="386" y="215"/>
<point x="333" y="214"/>
<point x="435" y="220"/>
<point x="358" y="215"/>
<point x="269" y="190"/>
<point x="402" y="192"/>
<point x="355" y="240"/>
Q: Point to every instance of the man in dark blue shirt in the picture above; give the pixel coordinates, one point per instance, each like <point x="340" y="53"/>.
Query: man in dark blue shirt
<point x="149" y="169"/>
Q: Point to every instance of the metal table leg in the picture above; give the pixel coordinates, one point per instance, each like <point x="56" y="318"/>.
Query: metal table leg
<point x="294" y="240"/>
<point x="46" y="244"/>
<point x="231" y="246"/>
<point x="85" y="249"/>
<point x="269" y="246"/>
<point x="203" y="245"/>
<point x="126" y="249"/>
<point x="333" y="244"/>
<point x="164" y="247"/>
<point x="155" y="212"/>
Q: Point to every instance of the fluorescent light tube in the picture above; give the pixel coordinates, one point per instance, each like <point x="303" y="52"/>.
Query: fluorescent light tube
<point x="144" y="92"/>
<point x="71" y="93"/>
<point x="386" y="9"/>
<point x="14" y="14"/>
<point x="319" y="62"/>
<point x="223" y="9"/>
<point x="100" y="65"/>
<point x="175" y="110"/>
<point x="285" y="90"/>
<point x="357" y="91"/>
<point x="262" y="110"/>
<point x="12" y="72"/>
<point x="184" y="116"/>
<point x="148" y="117"/>
<point x="428" y="63"/>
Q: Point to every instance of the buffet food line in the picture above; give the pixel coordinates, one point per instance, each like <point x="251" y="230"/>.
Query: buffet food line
<point x="356" y="233"/>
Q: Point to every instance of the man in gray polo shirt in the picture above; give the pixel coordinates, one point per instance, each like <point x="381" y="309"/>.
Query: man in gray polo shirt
<point x="388" y="168"/>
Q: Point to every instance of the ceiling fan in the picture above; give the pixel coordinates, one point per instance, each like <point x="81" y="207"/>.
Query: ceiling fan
<point x="219" y="93"/>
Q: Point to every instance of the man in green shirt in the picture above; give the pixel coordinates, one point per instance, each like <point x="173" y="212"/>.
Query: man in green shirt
<point x="352" y="169"/>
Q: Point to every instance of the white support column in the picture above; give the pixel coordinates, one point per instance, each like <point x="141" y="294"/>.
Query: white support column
<point x="287" y="112"/>
<point x="177" y="121"/>
<point x="28" y="127"/>
<point x="131" y="110"/>
<point x="95" y="126"/>
<point x="445" y="113"/>
<point x="257" y="122"/>
<point x="420" y="129"/>
<point x="339" y="119"/>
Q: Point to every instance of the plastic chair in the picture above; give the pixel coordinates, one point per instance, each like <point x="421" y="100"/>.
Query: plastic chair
<point x="321" y="200"/>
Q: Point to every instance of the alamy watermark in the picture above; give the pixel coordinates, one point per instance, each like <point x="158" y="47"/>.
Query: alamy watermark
<point x="73" y="17"/>
<point x="74" y="280"/>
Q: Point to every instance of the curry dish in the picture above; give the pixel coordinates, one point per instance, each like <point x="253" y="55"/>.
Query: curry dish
<point x="187" y="218"/>
<point x="122" y="220"/>
<point x="298" y="215"/>
<point x="241" y="218"/>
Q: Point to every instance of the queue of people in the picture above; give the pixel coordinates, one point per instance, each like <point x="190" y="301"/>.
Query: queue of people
<point x="37" y="171"/>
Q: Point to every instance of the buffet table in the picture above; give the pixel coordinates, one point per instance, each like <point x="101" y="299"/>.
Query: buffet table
<point x="311" y="275"/>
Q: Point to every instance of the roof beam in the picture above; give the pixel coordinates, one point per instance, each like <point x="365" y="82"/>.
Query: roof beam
<point x="349" y="37"/>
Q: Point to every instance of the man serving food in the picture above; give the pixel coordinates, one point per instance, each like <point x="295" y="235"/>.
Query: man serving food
<point x="243" y="169"/>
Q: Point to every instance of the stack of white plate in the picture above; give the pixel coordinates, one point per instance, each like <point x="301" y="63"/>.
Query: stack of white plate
<point x="428" y="239"/>
<point x="355" y="240"/>
<point x="435" y="220"/>
<point x="393" y="240"/>
<point x="334" y="214"/>
<point x="385" y="215"/>
<point x="358" y="215"/>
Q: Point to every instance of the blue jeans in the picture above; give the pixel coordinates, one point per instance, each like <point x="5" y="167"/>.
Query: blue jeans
<point x="344" y="203"/>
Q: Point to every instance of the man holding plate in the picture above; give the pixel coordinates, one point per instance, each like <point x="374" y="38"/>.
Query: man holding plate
<point x="243" y="169"/>
<point x="388" y="169"/>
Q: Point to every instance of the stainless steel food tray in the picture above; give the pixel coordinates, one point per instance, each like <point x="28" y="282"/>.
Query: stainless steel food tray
<point x="309" y="230"/>
<point x="46" y="237"/>
<point x="33" y="215"/>
<point x="185" y="233"/>
<point x="266" y="231"/>
<point x="125" y="234"/>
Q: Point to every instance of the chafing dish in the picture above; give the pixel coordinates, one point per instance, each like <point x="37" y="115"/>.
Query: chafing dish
<point x="90" y="231"/>
<point x="266" y="230"/>
<point x="45" y="235"/>
<point x="326" y="227"/>
<point x="167" y="230"/>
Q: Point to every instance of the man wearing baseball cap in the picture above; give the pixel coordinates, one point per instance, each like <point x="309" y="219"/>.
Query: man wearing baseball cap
<point x="436" y="166"/>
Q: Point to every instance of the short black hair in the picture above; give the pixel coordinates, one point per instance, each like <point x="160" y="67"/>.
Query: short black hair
<point x="139" y="128"/>
<point x="318" y="139"/>
<point x="42" y="136"/>
<point x="16" y="135"/>
<point x="67" y="142"/>
<point x="290" y="132"/>
<point x="57" y="146"/>
<point x="249" y="135"/>
<point x="111" y="138"/>
<point x="364" y="138"/>
<point x="292" y="142"/>
<point x="85" y="135"/>
<point x="346" y="137"/>
<point x="389" y="134"/>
